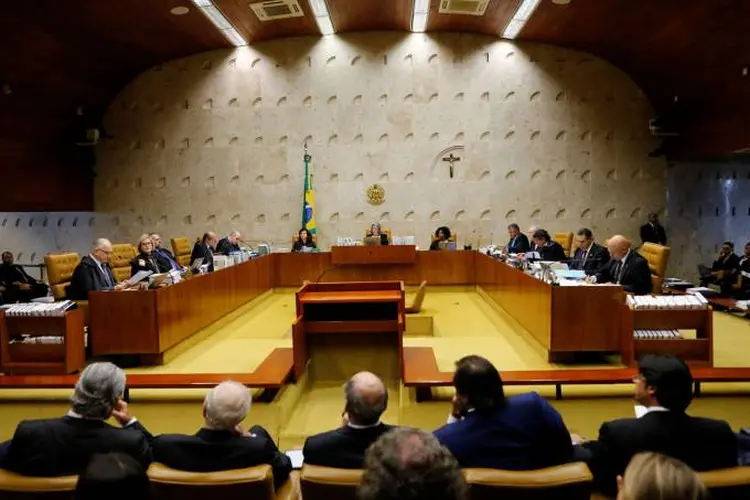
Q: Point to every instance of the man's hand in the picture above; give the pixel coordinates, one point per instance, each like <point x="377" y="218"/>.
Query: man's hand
<point x="345" y="419"/>
<point x="121" y="286"/>
<point x="24" y="286"/>
<point x="121" y="413"/>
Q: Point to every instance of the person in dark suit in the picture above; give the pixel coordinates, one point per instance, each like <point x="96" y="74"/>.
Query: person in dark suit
<point x="164" y="257"/>
<point x="548" y="249"/>
<point x="589" y="256"/>
<point x="375" y="230"/>
<point x="442" y="234"/>
<point x="652" y="231"/>
<point x="145" y="260"/>
<point x="723" y="271"/>
<point x="304" y="242"/>
<point x="229" y="244"/>
<point x="486" y="429"/>
<point x="222" y="443"/>
<point x="204" y="249"/>
<point x="518" y="242"/>
<point x="64" y="446"/>
<point x="664" y="389"/>
<point x="93" y="273"/>
<point x="626" y="268"/>
<point x="741" y="288"/>
<point x="19" y="286"/>
<point x="366" y="400"/>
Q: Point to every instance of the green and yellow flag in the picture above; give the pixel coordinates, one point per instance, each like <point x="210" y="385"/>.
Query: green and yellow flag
<point x="308" y="199"/>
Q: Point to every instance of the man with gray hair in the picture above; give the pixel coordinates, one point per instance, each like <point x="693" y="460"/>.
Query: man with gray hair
<point x="366" y="400"/>
<point x="222" y="443"/>
<point x="63" y="446"/>
<point x="229" y="244"/>
<point x="93" y="273"/>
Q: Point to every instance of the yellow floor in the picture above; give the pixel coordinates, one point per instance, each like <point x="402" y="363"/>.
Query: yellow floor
<point x="454" y="321"/>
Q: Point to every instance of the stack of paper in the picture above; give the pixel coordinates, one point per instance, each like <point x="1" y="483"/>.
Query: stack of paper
<point x="31" y="310"/>
<point x="43" y="339"/>
<point x="656" y="334"/>
<point x="666" y="302"/>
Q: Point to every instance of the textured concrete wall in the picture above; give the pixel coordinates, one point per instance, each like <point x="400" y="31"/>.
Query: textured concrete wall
<point x="545" y="135"/>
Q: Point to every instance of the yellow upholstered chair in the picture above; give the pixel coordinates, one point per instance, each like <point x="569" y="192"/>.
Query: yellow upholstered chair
<point x="327" y="483"/>
<point x="565" y="240"/>
<point x="658" y="258"/>
<point x="731" y="483"/>
<point x="60" y="267"/>
<point x="571" y="481"/>
<point x="119" y="260"/>
<point x="16" y="487"/>
<point x="314" y="238"/>
<point x="416" y="304"/>
<point x="383" y="230"/>
<point x="182" y="250"/>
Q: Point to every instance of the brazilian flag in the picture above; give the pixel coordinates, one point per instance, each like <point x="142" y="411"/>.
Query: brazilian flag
<point x="308" y="200"/>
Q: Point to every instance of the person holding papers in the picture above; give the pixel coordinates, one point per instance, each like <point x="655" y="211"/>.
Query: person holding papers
<point x="627" y="268"/>
<point x="589" y="257"/>
<point x="145" y="260"/>
<point x="548" y="250"/>
<point x="93" y="273"/>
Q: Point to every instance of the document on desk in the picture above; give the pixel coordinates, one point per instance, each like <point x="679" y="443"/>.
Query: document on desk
<point x="138" y="277"/>
<point x="570" y="274"/>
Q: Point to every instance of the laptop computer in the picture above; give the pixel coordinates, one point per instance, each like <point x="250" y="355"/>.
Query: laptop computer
<point x="372" y="241"/>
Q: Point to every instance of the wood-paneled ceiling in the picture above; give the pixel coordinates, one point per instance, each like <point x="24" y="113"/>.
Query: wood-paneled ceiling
<point x="56" y="56"/>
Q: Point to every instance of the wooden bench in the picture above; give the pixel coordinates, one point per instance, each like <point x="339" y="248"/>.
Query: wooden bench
<point x="421" y="372"/>
<point x="271" y="374"/>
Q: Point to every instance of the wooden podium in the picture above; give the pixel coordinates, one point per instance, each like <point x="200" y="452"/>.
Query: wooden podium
<point x="345" y="308"/>
<point x="388" y="254"/>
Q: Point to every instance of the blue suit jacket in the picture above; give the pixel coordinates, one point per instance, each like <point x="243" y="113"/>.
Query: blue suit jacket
<point x="527" y="433"/>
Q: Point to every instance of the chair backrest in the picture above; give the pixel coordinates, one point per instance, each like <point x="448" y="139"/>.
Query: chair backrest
<point x="16" y="487"/>
<point x="327" y="483"/>
<point x="452" y="237"/>
<point x="571" y="481"/>
<point x="171" y="484"/>
<point x="416" y="306"/>
<point x="181" y="249"/>
<point x="565" y="240"/>
<point x="119" y="260"/>
<point x="383" y="230"/>
<point x="728" y="484"/>
<point x="313" y="236"/>
<point x="60" y="267"/>
<point x="658" y="258"/>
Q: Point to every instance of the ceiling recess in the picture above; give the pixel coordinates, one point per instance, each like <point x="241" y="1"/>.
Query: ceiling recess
<point x="277" y="9"/>
<point x="466" y="7"/>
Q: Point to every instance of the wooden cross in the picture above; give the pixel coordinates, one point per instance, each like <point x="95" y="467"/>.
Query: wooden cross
<point x="451" y="159"/>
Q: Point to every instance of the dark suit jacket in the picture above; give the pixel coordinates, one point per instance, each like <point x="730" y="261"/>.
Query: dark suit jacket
<point x="597" y="258"/>
<point x="63" y="446"/>
<point x="88" y="278"/>
<point x="527" y="433"/>
<point x="653" y="234"/>
<point x="702" y="443"/>
<point x="519" y="244"/>
<point x="635" y="277"/>
<point x="166" y="260"/>
<point x="203" y="251"/>
<point x="14" y="273"/>
<point x="552" y="251"/>
<point x="211" y="450"/>
<point x="225" y="248"/>
<point x="343" y="448"/>
<point x="143" y="262"/>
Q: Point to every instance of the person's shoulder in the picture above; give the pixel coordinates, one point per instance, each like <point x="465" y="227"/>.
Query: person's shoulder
<point x="324" y="438"/>
<point x="712" y="425"/>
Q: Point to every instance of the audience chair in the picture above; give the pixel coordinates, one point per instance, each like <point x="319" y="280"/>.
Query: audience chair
<point x="119" y="260"/>
<point x="17" y="487"/>
<point x="571" y="481"/>
<point x="182" y="250"/>
<point x="240" y="484"/>
<point x="565" y="240"/>
<point x="657" y="257"/>
<point x="728" y="484"/>
<point x="416" y="304"/>
<point x="327" y="483"/>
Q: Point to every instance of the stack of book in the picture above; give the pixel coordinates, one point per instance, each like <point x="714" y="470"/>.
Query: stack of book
<point x="54" y="309"/>
<point x="667" y="302"/>
<point x="656" y="334"/>
<point x="42" y="339"/>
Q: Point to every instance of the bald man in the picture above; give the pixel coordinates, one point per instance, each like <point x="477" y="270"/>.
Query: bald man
<point x="626" y="268"/>
<point x="344" y="448"/>
<point x="204" y="249"/>
<point x="93" y="273"/>
<point x="229" y="244"/>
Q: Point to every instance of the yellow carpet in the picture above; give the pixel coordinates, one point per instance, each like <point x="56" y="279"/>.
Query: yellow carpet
<point x="455" y="321"/>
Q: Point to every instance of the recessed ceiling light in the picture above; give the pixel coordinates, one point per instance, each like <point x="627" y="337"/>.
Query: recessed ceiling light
<point x="561" y="2"/>
<point x="419" y="16"/>
<point x="518" y="21"/>
<point x="220" y="21"/>
<point x="180" y="10"/>
<point x="322" y="17"/>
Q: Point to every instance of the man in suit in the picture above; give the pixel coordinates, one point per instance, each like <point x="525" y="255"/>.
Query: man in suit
<point x="663" y="389"/>
<point x="548" y="249"/>
<point x="724" y="269"/>
<point x="741" y="290"/>
<point x="589" y="256"/>
<point x="19" y="286"/>
<point x="486" y="429"/>
<point x="229" y="244"/>
<point x="626" y="268"/>
<point x="366" y="400"/>
<point x="63" y="446"/>
<point x="93" y="273"/>
<point x="164" y="257"/>
<point x="652" y="231"/>
<point x="518" y="242"/>
<point x="530" y="233"/>
<point x="204" y="249"/>
<point x="222" y="443"/>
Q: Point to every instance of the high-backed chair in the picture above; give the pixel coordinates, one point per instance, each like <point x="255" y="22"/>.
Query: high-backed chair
<point x="17" y="487"/>
<point x="416" y="305"/>
<point x="327" y="483"/>
<point x="383" y="231"/>
<point x="565" y="240"/>
<point x="726" y="484"/>
<point x="313" y="236"/>
<point x="181" y="249"/>
<point x="119" y="260"/>
<point x="60" y="267"/>
<point x="571" y="481"/>
<point x="658" y="258"/>
<point x="240" y="484"/>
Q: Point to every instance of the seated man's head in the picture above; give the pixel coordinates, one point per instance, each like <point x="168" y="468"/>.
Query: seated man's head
<point x="226" y="406"/>
<point x="410" y="464"/>
<point x="532" y="230"/>
<point x="663" y="380"/>
<point x="234" y="237"/>
<point x="584" y="238"/>
<point x="653" y="218"/>
<point x="747" y="249"/>
<point x="513" y="230"/>
<point x="102" y="250"/>
<point x="210" y="239"/>
<point x="618" y="246"/>
<point x="727" y="248"/>
<point x="7" y="258"/>
<point x="98" y="391"/>
<point x="113" y="476"/>
<point x="478" y="384"/>
<point x="652" y="475"/>
<point x="540" y="237"/>
<point x="156" y="240"/>
<point x="366" y="399"/>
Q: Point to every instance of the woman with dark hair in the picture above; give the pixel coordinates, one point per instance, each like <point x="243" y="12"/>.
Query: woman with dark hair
<point x="113" y="476"/>
<point x="443" y="233"/>
<point x="304" y="242"/>
<point x="548" y="248"/>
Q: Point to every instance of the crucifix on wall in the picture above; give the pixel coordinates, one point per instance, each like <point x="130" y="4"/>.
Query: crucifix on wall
<point x="451" y="160"/>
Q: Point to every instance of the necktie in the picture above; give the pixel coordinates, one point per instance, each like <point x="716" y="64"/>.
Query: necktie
<point x="585" y="256"/>
<point x="618" y="272"/>
<point x="107" y="277"/>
